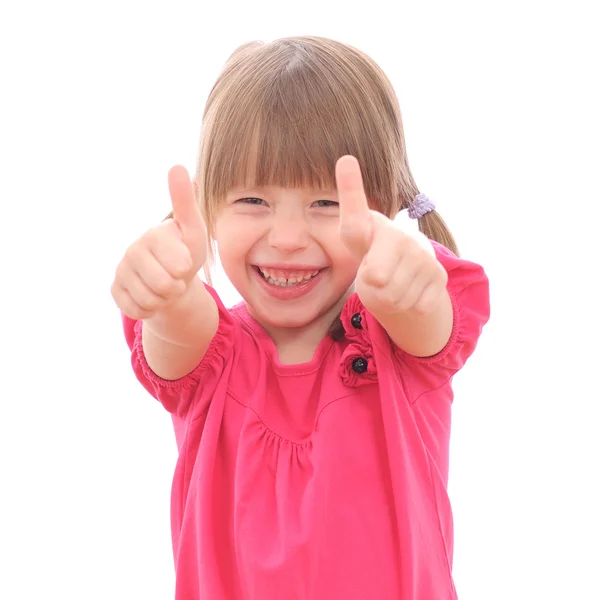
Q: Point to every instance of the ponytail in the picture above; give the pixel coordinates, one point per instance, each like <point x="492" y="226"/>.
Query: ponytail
<point x="434" y="227"/>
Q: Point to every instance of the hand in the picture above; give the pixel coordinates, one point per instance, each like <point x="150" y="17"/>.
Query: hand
<point x="398" y="272"/>
<point x="158" y="268"/>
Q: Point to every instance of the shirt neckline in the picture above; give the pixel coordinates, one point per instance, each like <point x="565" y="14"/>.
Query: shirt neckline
<point x="268" y="345"/>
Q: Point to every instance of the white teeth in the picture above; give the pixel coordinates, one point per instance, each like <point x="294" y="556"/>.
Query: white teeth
<point x="289" y="282"/>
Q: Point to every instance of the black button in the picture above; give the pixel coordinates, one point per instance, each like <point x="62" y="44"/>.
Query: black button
<point x="356" y="321"/>
<point x="359" y="365"/>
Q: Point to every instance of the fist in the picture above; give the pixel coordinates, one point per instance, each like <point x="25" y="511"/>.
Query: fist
<point x="398" y="272"/>
<point x="158" y="268"/>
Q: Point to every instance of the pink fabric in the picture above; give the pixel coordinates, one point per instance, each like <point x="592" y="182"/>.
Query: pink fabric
<point x="311" y="481"/>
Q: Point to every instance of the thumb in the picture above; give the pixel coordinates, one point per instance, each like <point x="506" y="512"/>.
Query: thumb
<point x="356" y="228"/>
<point x="186" y="212"/>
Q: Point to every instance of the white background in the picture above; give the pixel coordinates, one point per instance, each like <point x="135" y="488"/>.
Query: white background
<point x="99" y="100"/>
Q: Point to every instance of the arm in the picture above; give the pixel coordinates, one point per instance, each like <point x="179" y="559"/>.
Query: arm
<point x="420" y="334"/>
<point x="399" y="279"/>
<point x="156" y="283"/>
<point x="175" y="339"/>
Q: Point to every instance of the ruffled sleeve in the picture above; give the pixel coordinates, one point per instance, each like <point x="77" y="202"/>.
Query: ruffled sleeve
<point x="468" y="287"/>
<point x="185" y="397"/>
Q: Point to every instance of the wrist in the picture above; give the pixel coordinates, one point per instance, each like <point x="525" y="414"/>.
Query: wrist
<point x="177" y="322"/>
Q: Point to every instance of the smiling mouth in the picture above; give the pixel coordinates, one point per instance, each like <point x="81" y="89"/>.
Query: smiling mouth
<point x="295" y="278"/>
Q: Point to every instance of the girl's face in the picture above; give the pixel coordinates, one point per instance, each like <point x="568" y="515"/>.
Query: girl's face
<point x="281" y="249"/>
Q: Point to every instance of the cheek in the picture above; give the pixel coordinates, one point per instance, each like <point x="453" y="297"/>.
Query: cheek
<point x="343" y="259"/>
<point x="230" y="248"/>
<point x="232" y="236"/>
<point x="328" y="237"/>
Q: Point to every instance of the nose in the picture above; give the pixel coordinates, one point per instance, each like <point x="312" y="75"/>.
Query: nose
<point x="288" y="233"/>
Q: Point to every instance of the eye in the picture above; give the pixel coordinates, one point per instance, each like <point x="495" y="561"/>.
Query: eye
<point x="256" y="201"/>
<point x="326" y="203"/>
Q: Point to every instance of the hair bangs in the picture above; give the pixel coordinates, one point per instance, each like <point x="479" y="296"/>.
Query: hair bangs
<point x="278" y="143"/>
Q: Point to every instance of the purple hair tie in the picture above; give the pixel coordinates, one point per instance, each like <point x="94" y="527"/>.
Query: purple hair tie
<point x="420" y="206"/>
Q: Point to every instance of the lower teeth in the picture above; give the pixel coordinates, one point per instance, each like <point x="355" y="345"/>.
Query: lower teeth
<point x="281" y="284"/>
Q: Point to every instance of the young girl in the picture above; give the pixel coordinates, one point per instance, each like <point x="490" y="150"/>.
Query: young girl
<point x="313" y="418"/>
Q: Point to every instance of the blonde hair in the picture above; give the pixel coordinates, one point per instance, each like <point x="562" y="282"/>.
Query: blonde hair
<point x="282" y="113"/>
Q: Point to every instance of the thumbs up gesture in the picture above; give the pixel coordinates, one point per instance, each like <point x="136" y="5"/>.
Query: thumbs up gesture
<point x="398" y="272"/>
<point x="157" y="269"/>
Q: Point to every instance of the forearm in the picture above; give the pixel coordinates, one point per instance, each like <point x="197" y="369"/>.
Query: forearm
<point x="421" y="334"/>
<point x="176" y="339"/>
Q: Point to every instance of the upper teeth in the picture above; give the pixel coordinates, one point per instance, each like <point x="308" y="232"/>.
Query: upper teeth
<point x="291" y="277"/>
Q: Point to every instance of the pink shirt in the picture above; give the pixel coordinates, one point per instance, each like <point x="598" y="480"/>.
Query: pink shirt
<point x="320" y="480"/>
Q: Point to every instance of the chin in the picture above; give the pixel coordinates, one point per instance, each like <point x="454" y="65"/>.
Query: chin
<point x="285" y="321"/>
